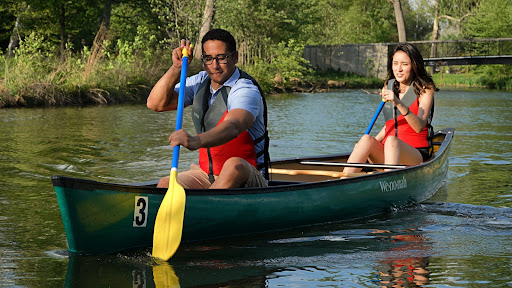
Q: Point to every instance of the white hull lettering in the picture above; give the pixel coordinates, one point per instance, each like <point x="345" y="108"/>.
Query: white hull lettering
<point x="386" y="186"/>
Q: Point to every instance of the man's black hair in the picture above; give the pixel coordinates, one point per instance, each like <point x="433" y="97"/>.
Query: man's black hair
<point x="221" y="35"/>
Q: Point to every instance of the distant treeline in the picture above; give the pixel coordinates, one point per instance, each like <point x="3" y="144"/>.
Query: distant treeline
<point x="106" y="51"/>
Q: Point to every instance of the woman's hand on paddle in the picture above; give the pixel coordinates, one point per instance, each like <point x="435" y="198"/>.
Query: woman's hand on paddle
<point x="183" y="138"/>
<point x="388" y="96"/>
<point x="177" y="55"/>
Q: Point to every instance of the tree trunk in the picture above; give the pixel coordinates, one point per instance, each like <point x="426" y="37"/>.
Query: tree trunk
<point x="206" y="25"/>
<point x="62" y="24"/>
<point x="435" y="35"/>
<point x="107" y="13"/>
<point x="176" y="25"/>
<point x="400" y="24"/>
<point x="435" y="31"/>
<point x="15" y="38"/>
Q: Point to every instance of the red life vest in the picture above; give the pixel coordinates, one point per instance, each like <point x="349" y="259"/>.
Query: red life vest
<point x="404" y="130"/>
<point x="207" y="117"/>
<point x="242" y="146"/>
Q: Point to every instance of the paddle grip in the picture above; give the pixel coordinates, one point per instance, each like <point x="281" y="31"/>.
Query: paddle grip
<point x="179" y="115"/>
<point x="375" y="117"/>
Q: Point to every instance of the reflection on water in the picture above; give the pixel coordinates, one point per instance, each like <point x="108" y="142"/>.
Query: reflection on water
<point x="258" y="262"/>
<point x="403" y="267"/>
<point x="438" y="244"/>
<point x="445" y="243"/>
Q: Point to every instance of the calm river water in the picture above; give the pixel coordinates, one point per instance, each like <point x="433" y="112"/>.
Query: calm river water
<point x="461" y="238"/>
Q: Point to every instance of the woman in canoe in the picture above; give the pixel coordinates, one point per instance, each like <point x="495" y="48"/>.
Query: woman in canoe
<point x="407" y="135"/>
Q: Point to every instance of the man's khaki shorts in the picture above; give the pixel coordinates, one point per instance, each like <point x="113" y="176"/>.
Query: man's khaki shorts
<point x="196" y="178"/>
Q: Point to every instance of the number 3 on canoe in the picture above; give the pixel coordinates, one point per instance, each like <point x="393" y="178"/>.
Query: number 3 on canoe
<point x="169" y="219"/>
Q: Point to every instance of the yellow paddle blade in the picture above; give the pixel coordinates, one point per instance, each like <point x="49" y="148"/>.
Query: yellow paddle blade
<point x="169" y="220"/>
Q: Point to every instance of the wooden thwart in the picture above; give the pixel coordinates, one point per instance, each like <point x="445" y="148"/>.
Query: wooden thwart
<point x="334" y="174"/>
<point x="358" y="165"/>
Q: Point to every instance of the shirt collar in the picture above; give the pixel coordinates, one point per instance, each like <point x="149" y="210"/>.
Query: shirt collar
<point x="230" y="82"/>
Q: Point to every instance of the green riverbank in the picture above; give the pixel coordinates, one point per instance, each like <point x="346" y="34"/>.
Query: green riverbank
<point x="486" y="76"/>
<point x="36" y="80"/>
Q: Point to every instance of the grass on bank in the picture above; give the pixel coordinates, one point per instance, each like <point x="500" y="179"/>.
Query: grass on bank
<point x="36" y="76"/>
<point x="35" y="79"/>
<point x="126" y="71"/>
<point x="485" y="76"/>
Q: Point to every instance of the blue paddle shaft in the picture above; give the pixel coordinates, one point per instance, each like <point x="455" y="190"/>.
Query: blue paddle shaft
<point x="375" y="117"/>
<point x="179" y="116"/>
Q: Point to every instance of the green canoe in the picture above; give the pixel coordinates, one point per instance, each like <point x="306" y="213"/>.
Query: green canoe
<point x="104" y="217"/>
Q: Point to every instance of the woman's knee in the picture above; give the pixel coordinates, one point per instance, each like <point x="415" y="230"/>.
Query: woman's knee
<point x="366" y="138"/>
<point x="365" y="142"/>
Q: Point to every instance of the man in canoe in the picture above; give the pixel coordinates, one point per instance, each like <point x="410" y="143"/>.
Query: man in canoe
<point x="229" y="115"/>
<point x="406" y="137"/>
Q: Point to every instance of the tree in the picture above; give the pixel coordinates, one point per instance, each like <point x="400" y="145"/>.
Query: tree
<point x="59" y="21"/>
<point x="400" y="24"/>
<point x="418" y="19"/>
<point x="128" y="16"/>
<point x="365" y="21"/>
<point x="435" y="30"/>
<point x="107" y="13"/>
<point x="456" y="11"/>
<point x="9" y="23"/>
<point x="71" y="19"/>
<point x="206" y="25"/>
<point x="489" y="19"/>
<point x="15" y="35"/>
<point x="181" y="19"/>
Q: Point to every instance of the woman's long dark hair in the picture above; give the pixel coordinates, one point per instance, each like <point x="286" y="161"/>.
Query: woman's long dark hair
<point x="420" y="76"/>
